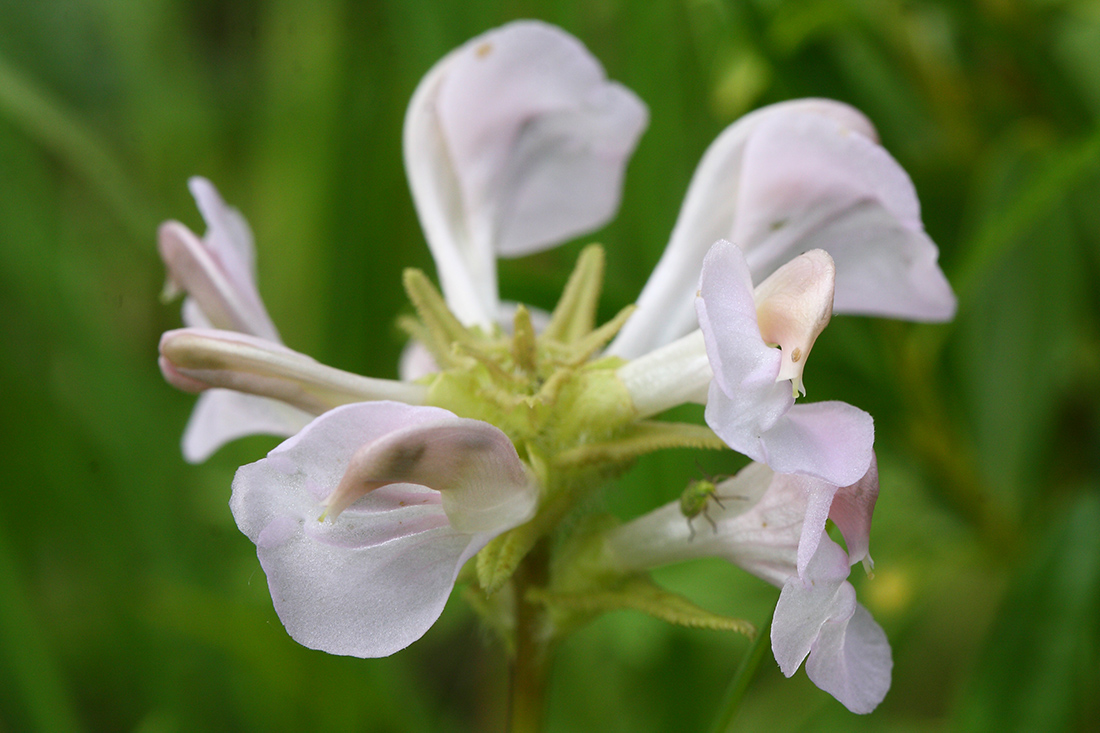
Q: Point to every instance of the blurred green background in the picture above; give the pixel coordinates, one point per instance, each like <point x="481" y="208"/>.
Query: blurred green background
<point x="130" y="602"/>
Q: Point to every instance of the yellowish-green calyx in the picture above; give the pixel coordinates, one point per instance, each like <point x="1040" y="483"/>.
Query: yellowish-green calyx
<point x="565" y="409"/>
<point x="546" y="391"/>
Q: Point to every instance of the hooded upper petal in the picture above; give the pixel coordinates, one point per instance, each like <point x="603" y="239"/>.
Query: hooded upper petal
<point x="809" y="181"/>
<point x="788" y="178"/>
<point x="711" y="207"/>
<point x="514" y="142"/>
<point x="374" y="578"/>
<point x="748" y="408"/>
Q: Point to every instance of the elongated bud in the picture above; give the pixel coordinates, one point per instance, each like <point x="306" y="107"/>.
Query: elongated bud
<point x="793" y="306"/>
<point x="194" y="359"/>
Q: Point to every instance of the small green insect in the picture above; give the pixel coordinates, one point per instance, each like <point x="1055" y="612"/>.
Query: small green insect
<point x="696" y="500"/>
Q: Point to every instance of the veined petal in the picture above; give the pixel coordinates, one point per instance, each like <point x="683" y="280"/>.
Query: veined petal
<point x="375" y="578"/>
<point x="817" y="615"/>
<point x="809" y="181"/>
<point x="711" y="209"/>
<point x="194" y="359"/>
<point x="514" y="142"/>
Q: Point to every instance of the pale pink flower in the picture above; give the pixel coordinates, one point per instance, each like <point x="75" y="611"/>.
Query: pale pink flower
<point x="363" y="519"/>
<point x="773" y="526"/>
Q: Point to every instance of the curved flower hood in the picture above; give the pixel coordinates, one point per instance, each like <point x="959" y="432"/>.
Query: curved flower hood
<point x="785" y="179"/>
<point x="514" y="142"/>
<point x="363" y="519"/>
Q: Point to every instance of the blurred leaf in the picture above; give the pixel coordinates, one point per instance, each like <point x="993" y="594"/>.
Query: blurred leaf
<point x="1039" y="668"/>
<point x="1019" y="324"/>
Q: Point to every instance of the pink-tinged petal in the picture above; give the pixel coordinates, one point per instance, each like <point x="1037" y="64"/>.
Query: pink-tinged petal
<point x="222" y="415"/>
<point x="817" y="616"/>
<point x="793" y="306"/>
<point x="218" y="272"/>
<point x="818" y="497"/>
<point x="539" y="136"/>
<point x="851" y="510"/>
<point x="807" y="182"/>
<point x="471" y="463"/>
<point x="375" y="578"/>
<point x="832" y="441"/>
<point x="851" y="660"/>
<point x="727" y="317"/>
<point x="807" y="602"/>
<point x="710" y="212"/>
<point x="747" y="408"/>
<point x="194" y="359"/>
<point x="514" y="142"/>
<point x="228" y="235"/>
<point x="757" y="524"/>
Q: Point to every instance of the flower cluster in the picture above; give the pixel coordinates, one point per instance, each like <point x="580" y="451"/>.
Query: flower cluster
<point x="506" y="420"/>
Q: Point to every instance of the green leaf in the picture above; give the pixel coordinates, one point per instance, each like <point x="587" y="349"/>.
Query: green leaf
<point x="642" y="594"/>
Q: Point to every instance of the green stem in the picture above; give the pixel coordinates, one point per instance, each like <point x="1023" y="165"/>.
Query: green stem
<point x="531" y="662"/>
<point x="731" y="702"/>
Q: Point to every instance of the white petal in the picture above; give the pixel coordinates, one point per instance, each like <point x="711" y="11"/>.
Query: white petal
<point x="810" y="182"/>
<point x="222" y="415"/>
<point x="514" y="142"/>
<point x="709" y="213"/>
<point x="374" y="579"/>
<point x="817" y="615"/>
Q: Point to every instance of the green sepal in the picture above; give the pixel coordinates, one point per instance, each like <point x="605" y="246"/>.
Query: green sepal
<point x="575" y="314"/>
<point x="639" y="593"/>
<point x="499" y="559"/>
<point x="444" y="331"/>
<point x="585" y="347"/>
<point x="643" y="437"/>
<point x="524" y="348"/>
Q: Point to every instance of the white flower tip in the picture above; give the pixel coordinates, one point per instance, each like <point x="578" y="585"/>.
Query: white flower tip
<point x="177" y="379"/>
<point x="177" y="247"/>
<point x="793" y="306"/>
